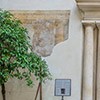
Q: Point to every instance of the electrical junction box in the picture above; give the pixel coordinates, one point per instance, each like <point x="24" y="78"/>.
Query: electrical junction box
<point x="63" y="87"/>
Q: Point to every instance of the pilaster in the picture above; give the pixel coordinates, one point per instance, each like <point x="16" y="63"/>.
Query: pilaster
<point x="98" y="63"/>
<point x="90" y="11"/>
<point x="88" y="82"/>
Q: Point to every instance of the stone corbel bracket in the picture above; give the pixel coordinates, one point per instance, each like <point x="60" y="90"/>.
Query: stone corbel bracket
<point x="50" y="27"/>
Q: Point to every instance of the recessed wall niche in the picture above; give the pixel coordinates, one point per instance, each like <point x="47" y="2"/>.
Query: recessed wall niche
<point x="46" y="28"/>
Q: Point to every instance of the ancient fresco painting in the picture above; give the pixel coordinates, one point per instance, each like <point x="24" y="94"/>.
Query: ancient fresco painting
<point x="46" y="28"/>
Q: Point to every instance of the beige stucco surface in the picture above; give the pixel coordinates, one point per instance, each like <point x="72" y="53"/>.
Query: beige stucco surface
<point x="66" y="58"/>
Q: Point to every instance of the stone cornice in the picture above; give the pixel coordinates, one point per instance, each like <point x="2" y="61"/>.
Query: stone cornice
<point x="89" y="6"/>
<point x="90" y="9"/>
<point x="87" y="0"/>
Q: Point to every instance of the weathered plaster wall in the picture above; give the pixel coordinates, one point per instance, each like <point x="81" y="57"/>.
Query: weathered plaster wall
<point x="66" y="59"/>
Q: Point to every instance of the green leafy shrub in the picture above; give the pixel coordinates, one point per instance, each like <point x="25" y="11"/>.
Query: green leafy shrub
<point x="15" y="59"/>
